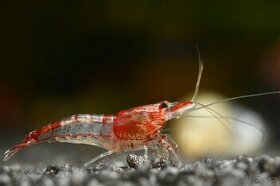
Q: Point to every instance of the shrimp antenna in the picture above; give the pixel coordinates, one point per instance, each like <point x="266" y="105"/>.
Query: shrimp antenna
<point x="218" y="116"/>
<point x="200" y="70"/>
<point x="237" y="97"/>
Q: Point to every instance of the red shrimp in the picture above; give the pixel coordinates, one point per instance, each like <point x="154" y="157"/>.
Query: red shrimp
<point x="137" y="128"/>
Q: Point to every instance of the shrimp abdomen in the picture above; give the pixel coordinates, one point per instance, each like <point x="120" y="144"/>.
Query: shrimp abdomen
<point x="81" y="129"/>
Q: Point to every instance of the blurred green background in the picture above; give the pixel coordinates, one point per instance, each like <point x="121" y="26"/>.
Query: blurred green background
<point x="59" y="58"/>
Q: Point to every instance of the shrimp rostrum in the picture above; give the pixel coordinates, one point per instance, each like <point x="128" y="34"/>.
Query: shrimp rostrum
<point x="138" y="128"/>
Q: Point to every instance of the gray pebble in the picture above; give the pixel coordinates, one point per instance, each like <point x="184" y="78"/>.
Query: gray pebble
<point x="168" y="175"/>
<point x="66" y="168"/>
<point x="78" y="176"/>
<point x="5" y="180"/>
<point x="135" y="161"/>
<point x="46" y="181"/>
<point x="94" y="182"/>
<point x="52" y="170"/>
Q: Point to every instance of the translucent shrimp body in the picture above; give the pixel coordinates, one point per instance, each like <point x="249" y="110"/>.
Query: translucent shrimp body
<point x="88" y="129"/>
<point x="132" y="129"/>
<point x="128" y="130"/>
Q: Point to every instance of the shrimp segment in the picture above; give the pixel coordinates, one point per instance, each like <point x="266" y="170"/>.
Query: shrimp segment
<point x="82" y="129"/>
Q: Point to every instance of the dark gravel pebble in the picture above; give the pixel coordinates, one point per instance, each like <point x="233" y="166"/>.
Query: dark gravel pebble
<point x="242" y="170"/>
<point x="52" y="170"/>
<point x="135" y="161"/>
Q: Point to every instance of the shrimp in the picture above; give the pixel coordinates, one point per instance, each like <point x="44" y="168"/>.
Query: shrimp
<point x="137" y="128"/>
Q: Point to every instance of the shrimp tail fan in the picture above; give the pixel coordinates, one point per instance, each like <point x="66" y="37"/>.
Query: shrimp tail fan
<point x="16" y="148"/>
<point x="30" y="139"/>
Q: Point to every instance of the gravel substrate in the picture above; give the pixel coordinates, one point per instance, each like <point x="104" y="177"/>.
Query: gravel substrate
<point x="242" y="170"/>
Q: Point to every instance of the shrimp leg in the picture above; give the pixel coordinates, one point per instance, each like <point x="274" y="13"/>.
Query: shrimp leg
<point x="171" y="149"/>
<point x="98" y="157"/>
<point x="166" y="143"/>
<point x="146" y="153"/>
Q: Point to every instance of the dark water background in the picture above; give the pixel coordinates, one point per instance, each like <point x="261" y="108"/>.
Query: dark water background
<point x="59" y="58"/>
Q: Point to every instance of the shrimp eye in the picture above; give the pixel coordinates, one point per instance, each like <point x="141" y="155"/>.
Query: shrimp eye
<point x="164" y="104"/>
